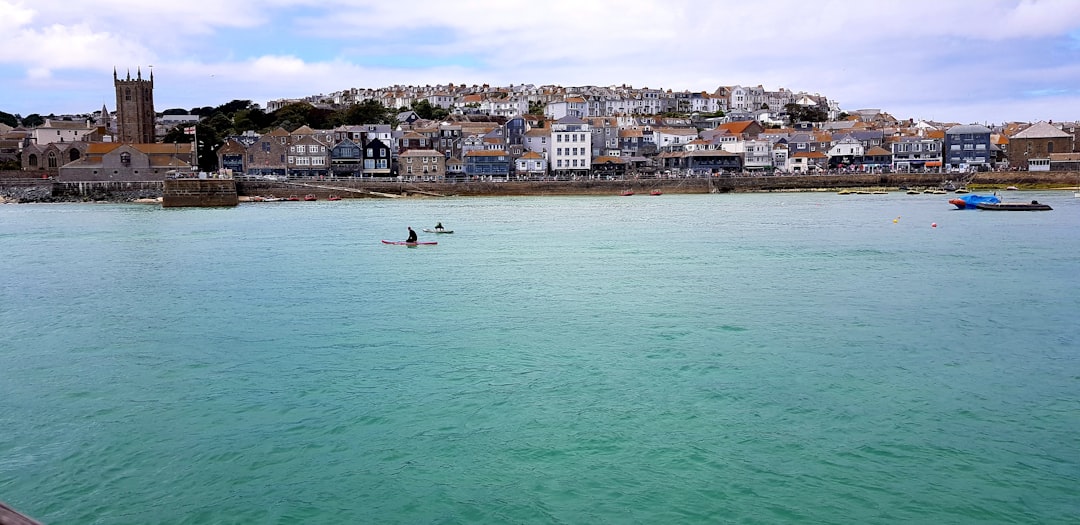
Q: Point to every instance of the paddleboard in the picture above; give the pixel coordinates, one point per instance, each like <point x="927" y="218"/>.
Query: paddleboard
<point x="409" y="243"/>
<point x="429" y="230"/>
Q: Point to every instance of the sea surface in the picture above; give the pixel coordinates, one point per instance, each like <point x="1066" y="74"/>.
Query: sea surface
<point x="738" y="358"/>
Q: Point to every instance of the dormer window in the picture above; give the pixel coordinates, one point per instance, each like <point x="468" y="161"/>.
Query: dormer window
<point x="125" y="158"/>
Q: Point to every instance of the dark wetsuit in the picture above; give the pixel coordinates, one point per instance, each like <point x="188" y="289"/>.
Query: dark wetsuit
<point x="412" y="236"/>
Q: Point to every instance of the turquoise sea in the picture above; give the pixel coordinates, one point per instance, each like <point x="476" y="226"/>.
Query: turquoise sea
<point x="742" y="358"/>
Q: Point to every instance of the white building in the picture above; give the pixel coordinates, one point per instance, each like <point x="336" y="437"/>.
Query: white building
<point x="571" y="147"/>
<point x="62" y="131"/>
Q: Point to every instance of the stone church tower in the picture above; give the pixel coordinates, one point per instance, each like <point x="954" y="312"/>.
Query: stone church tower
<point x="134" y="108"/>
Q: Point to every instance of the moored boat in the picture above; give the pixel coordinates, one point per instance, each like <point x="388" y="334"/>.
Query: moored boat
<point x="656" y="192"/>
<point x="310" y="197"/>
<point x="333" y="198"/>
<point x="627" y="193"/>
<point x="1014" y="206"/>
<point x="969" y="201"/>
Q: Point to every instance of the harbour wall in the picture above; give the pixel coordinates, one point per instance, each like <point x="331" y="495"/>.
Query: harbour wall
<point x="27" y="189"/>
<point x="178" y="193"/>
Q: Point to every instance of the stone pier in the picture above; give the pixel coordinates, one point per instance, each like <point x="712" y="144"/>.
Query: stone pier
<point x="199" y="193"/>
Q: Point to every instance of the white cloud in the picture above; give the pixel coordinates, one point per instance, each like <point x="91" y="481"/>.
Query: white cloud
<point x="921" y="56"/>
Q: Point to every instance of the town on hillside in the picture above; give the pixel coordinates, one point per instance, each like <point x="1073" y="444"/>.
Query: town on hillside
<point x="455" y="133"/>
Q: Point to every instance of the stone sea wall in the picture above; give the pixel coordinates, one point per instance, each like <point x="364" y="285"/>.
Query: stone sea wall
<point x="23" y="189"/>
<point x="39" y="190"/>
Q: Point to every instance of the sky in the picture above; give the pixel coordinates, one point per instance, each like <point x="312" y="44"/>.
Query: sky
<point x="962" y="61"/>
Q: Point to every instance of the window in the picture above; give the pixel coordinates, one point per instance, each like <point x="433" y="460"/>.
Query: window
<point x="301" y="149"/>
<point x="1049" y="147"/>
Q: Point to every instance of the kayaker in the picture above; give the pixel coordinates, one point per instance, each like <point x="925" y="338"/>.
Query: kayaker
<point x="438" y="227"/>
<point x="412" y="235"/>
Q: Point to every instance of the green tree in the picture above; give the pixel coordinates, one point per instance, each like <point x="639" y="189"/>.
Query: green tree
<point x="254" y="119"/>
<point x="229" y="108"/>
<point x="176" y="135"/>
<point x="536" y="107"/>
<point x="9" y="119"/>
<point x="175" y="111"/>
<point x="427" y="111"/>
<point x="797" y="113"/>
<point x="33" y="120"/>
<point x="366" y="112"/>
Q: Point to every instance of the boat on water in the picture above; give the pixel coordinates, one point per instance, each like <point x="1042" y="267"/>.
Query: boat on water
<point x="310" y="197"/>
<point x="435" y="230"/>
<point x="656" y="192"/>
<point x="968" y="202"/>
<point x="627" y="193"/>
<point x="913" y="192"/>
<point x="1014" y="206"/>
<point x="407" y="243"/>
<point x="333" y="198"/>
<point x="273" y="199"/>
<point x="962" y="190"/>
<point x="292" y="198"/>
<point x="1012" y="188"/>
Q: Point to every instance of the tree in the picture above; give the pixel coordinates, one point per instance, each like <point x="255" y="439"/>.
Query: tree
<point x="294" y="114"/>
<point x="536" y="107"/>
<point x="366" y="112"/>
<point x="799" y="113"/>
<point x="425" y="110"/>
<point x="9" y="119"/>
<point x="254" y="119"/>
<point x="175" y="111"/>
<point x="32" y="120"/>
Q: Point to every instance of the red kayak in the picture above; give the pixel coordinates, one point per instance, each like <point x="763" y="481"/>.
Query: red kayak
<point x="405" y="243"/>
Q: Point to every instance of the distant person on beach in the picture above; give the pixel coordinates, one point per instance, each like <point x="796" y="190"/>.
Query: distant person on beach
<point x="412" y="235"/>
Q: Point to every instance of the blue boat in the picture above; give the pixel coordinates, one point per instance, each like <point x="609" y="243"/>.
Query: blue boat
<point x="969" y="202"/>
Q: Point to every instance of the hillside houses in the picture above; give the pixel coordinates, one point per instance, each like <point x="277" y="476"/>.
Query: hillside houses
<point x="571" y="148"/>
<point x="529" y="132"/>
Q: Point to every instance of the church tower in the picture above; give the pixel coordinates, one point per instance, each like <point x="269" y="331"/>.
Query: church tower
<point x="134" y="108"/>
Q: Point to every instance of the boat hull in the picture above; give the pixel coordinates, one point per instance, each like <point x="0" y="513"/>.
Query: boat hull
<point x="406" y="243"/>
<point x="1013" y="206"/>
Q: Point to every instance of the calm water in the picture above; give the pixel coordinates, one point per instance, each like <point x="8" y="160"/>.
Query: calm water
<point x="767" y="358"/>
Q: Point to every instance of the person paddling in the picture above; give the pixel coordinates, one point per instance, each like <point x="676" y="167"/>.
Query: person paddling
<point x="438" y="227"/>
<point x="412" y="235"/>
